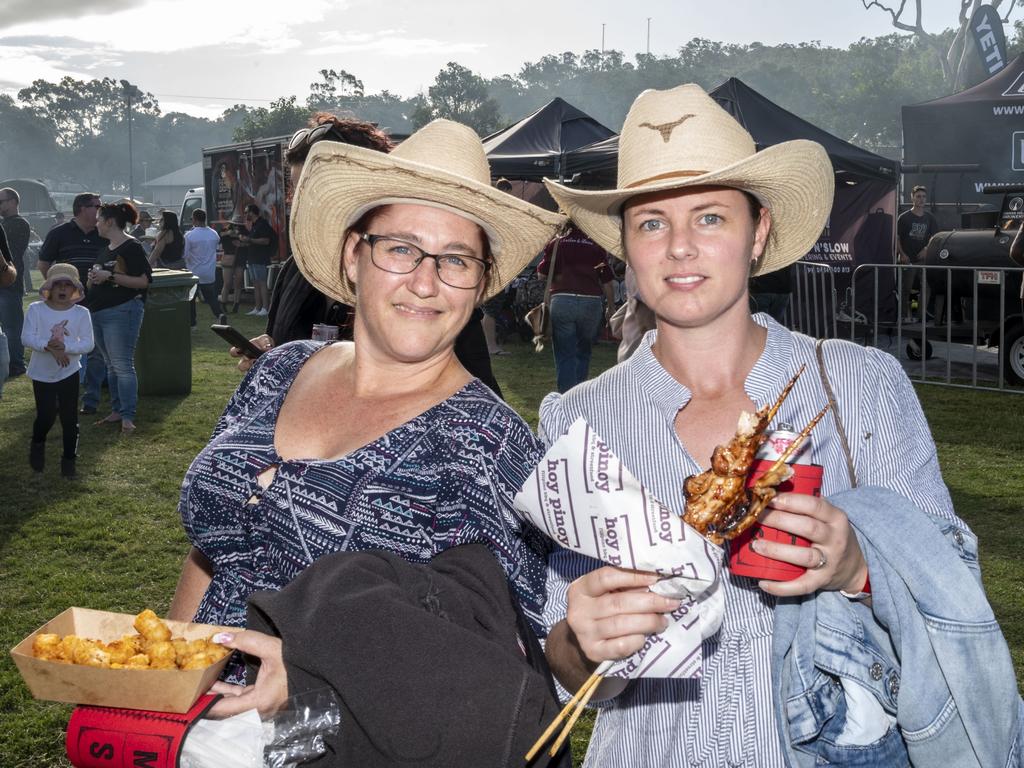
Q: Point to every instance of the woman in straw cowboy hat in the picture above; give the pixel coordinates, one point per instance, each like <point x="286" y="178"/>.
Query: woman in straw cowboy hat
<point x="697" y="212"/>
<point x="385" y="442"/>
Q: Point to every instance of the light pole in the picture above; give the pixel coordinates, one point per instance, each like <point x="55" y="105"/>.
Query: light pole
<point x="131" y="181"/>
<point x="602" y="39"/>
<point x="648" y="35"/>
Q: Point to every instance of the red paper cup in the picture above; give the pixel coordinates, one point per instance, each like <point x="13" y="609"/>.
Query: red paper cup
<point x="743" y="561"/>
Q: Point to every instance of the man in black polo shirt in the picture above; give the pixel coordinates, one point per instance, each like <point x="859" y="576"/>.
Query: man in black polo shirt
<point x="76" y="242"/>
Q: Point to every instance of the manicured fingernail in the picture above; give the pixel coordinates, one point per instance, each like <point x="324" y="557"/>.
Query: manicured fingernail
<point x="755" y="545"/>
<point x="222" y="637"/>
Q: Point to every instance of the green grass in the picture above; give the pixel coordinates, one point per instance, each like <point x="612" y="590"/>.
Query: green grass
<point x="112" y="539"/>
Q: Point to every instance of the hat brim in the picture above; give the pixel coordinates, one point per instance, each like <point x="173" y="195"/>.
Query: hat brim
<point x="47" y="287"/>
<point x="793" y="180"/>
<point x="340" y="182"/>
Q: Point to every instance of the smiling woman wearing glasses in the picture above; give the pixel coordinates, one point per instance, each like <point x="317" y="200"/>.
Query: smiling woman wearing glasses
<point x="386" y="442"/>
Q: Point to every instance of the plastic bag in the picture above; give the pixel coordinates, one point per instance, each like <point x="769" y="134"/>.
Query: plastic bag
<point x="292" y="735"/>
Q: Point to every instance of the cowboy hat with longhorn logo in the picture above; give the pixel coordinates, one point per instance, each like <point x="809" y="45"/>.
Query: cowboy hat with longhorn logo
<point x="682" y="138"/>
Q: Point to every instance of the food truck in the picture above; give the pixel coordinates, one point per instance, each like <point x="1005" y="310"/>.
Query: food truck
<point x="235" y="175"/>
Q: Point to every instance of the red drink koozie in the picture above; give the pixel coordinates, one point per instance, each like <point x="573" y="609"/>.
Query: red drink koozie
<point x="108" y="737"/>
<point x="744" y="561"/>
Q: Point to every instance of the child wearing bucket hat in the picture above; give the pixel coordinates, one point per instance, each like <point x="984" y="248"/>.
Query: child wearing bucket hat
<point x="58" y="331"/>
<point x="696" y="212"/>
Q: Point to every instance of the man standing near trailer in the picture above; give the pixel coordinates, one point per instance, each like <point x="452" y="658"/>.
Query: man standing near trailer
<point x="914" y="228"/>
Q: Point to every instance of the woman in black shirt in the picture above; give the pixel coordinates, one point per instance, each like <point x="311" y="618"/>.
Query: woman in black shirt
<point x="119" y="281"/>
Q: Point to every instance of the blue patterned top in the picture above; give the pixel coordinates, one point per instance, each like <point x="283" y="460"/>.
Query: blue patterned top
<point x="445" y="478"/>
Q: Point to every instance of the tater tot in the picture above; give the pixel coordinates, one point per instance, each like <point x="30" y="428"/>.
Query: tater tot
<point x="185" y="649"/>
<point x="198" y="661"/>
<point x="122" y="650"/>
<point x="48" y="646"/>
<point x="90" y="654"/>
<point x="161" y="655"/>
<point x="151" y="627"/>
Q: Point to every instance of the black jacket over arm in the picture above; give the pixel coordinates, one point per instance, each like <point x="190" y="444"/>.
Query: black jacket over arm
<point x="425" y="659"/>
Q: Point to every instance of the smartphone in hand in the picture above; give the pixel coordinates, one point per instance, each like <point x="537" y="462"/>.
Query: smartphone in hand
<point x="234" y="337"/>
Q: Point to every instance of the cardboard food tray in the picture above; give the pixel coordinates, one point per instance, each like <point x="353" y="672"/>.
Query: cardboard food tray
<point x="158" y="690"/>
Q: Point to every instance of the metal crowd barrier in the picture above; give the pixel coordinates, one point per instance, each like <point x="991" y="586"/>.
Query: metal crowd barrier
<point x="968" y="312"/>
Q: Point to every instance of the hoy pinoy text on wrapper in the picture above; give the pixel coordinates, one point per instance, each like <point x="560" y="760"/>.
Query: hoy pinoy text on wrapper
<point x="584" y="499"/>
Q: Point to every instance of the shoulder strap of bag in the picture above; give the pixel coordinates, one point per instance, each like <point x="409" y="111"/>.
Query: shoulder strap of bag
<point x="551" y="273"/>
<point x="820" y="353"/>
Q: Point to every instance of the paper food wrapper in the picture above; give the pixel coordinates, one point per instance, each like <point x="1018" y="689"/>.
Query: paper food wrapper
<point x="586" y="500"/>
<point x="235" y="742"/>
<point x="158" y="690"/>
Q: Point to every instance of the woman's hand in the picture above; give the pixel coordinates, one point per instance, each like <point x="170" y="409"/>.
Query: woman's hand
<point x="833" y="561"/>
<point x="100" y="276"/>
<point x="611" y="612"/>
<point x="263" y="341"/>
<point x="271" y="689"/>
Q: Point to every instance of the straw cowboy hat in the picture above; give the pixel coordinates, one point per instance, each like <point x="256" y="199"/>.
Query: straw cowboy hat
<point x="62" y="272"/>
<point x="444" y="165"/>
<point x="682" y="138"/>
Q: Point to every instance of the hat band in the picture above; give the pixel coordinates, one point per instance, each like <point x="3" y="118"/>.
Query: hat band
<point x="663" y="176"/>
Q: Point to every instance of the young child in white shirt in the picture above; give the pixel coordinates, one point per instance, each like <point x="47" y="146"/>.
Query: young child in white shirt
<point x="59" y="332"/>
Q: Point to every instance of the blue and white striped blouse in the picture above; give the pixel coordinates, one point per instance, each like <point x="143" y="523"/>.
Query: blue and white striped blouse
<point x="725" y="717"/>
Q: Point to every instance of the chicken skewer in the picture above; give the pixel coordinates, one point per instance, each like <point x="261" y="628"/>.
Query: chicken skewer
<point x="718" y="503"/>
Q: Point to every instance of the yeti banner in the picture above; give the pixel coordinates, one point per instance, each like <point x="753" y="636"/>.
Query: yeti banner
<point x="989" y="40"/>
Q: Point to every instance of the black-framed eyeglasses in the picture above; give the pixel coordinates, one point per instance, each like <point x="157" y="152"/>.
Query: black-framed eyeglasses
<point x="400" y="258"/>
<point x="304" y="138"/>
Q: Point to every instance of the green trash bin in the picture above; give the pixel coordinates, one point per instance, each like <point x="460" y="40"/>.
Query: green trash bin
<point x="163" y="357"/>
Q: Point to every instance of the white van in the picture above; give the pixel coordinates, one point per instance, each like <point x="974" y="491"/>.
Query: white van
<point x="194" y="199"/>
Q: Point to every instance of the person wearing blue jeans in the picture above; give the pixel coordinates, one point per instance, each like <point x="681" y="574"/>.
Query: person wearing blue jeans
<point x="117" y="331"/>
<point x="4" y="360"/>
<point x="119" y="282"/>
<point x="575" y="322"/>
<point x="580" y="277"/>
<point x="15" y="233"/>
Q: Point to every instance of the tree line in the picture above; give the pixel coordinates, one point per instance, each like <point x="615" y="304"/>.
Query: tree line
<point x="75" y="130"/>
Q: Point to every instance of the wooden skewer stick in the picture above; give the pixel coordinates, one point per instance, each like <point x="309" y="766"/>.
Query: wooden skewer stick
<point x="795" y="445"/>
<point x="575" y="716"/>
<point x="782" y="397"/>
<point x="590" y="684"/>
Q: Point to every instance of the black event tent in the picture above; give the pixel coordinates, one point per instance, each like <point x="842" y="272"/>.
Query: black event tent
<point x="980" y="129"/>
<point x="769" y="124"/>
<point x="861" y="227"/>
<point x="535" y="147"/>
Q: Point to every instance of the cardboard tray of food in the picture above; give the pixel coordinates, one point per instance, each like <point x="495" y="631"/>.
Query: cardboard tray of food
<point x="158" y="690"/>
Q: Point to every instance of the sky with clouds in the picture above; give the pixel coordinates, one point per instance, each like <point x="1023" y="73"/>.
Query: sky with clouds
<point x="202" y="56"/>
